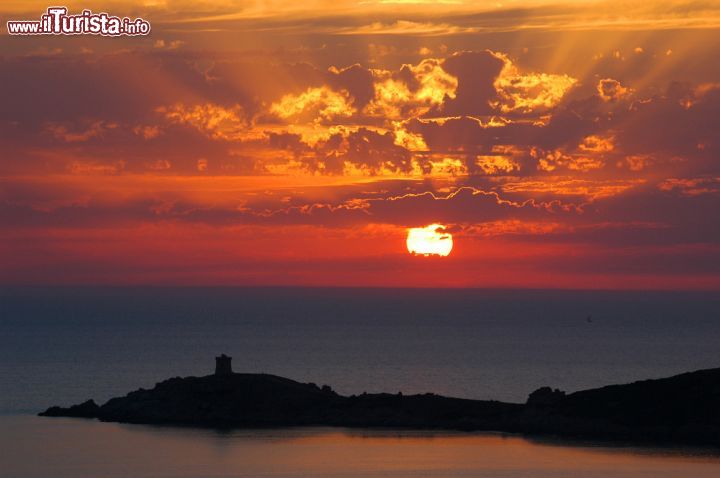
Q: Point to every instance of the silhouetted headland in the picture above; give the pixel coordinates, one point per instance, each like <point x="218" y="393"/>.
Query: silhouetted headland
<point x="683" y="409"/>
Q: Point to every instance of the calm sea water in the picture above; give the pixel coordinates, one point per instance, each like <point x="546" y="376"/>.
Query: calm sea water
<point x="62" y="346"/>
<point x="36" y="447"/>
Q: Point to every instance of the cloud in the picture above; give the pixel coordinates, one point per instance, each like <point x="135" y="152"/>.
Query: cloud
<point x="691" y="186"/>
<point x="611" y="90"/>
<point x="496" y="164"/>
<point x="147" y="131"/>
<point x="530" y="92"/>
<point x="476" y="73"/>
<point x="95" y="129"/>
<point x="505" y="123"/>
<point x="405" y="27"/>
<point x="364" y="150"/>
<point x="213" y="120"/>
<point x="411" y="91"/>
<point x="553" y="160"/>
<point x="314" y="104"/>
<point x="354" y="79"/>
<point x="168" y="44"/>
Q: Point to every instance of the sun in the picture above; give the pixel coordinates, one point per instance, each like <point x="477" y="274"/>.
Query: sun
<point x="432" y="240"/>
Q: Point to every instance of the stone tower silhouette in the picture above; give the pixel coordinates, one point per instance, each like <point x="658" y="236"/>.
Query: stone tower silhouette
<point x="223" y="365"/>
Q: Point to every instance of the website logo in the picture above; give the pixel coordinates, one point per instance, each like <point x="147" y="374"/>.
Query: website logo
<point x="57" y="22"/>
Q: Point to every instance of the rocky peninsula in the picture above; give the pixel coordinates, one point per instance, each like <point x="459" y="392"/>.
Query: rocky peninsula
<point x="684" y="409"/>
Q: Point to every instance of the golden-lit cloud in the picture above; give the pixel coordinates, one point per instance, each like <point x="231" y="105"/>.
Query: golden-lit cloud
<point x="611" y="90"/>
<point x="434" y="83"/>
<point x="496" y="164"/>
<point x="409" y="141"/>
<point x="597" y="144"/>
<point x="558" y="159"/>
<point x="412" y="91"/>
<point x="529" y="92"/>
<point x="444" y="166"/>
<point x="314" y="104"/>
<point x="391" y="97"/>
<point x="213" y="120"/>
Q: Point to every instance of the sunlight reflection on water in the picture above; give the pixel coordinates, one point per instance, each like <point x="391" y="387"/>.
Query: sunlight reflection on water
<point x="40" y="447"/>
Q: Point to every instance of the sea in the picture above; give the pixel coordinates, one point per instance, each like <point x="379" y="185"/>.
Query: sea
<point x="62" y="345"/>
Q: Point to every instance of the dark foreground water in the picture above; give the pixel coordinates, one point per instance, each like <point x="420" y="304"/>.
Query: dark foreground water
<point x="36" y="447"/>
<point x="61" y="346"/>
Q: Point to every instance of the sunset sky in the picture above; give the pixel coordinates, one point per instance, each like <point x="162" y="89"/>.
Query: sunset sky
<point x="562" y="144"/>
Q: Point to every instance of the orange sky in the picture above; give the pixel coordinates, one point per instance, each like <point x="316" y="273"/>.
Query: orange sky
<point x="563" y="144"/>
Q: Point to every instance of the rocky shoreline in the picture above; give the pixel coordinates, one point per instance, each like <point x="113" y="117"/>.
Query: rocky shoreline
<point x="684" y="409"/>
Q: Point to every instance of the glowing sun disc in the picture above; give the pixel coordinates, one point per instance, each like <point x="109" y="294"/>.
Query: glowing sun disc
<point x="429" y="240"/>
